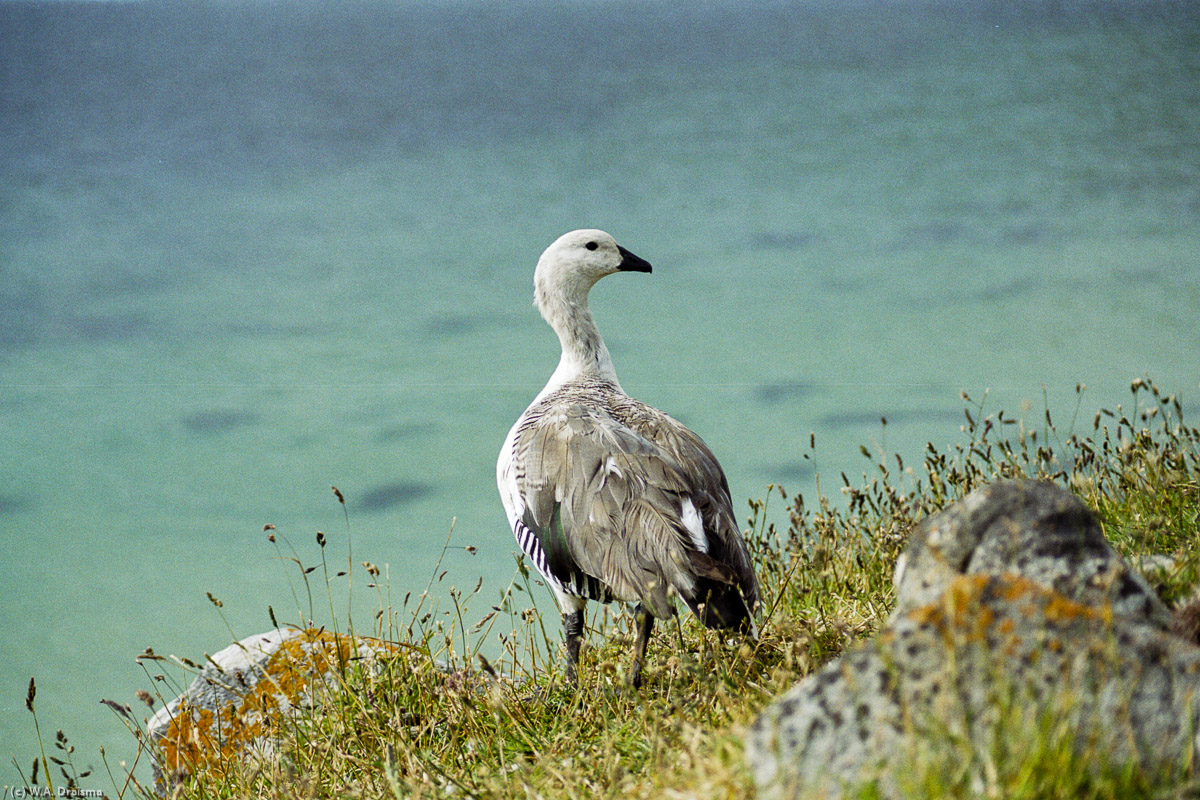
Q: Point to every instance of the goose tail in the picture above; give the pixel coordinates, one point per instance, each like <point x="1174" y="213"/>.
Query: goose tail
<point x="721" y="605"/>
<point x="718" y="600"/>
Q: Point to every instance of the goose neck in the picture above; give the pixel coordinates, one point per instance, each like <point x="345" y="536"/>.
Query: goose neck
<point x="584" y="353"/>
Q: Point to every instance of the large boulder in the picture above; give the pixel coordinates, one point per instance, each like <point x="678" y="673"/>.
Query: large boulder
<point x="1032" y="529"/>
<point x="1015" y="618"/>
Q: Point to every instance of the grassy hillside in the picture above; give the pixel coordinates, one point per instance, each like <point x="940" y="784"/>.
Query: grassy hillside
<point x="440" y="721"/>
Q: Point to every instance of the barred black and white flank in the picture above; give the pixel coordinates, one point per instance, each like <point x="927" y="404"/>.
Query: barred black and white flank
<point x="609" y="498"/>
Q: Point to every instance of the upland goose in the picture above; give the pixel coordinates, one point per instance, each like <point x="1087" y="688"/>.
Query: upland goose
<point x="608" y="497"/>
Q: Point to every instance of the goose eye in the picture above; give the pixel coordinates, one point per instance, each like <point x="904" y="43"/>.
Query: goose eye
<point x="591" y="245"/>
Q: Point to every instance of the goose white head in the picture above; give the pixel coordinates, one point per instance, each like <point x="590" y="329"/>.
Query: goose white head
<point x="565" y="274"/>
<point x="572" y="265"/>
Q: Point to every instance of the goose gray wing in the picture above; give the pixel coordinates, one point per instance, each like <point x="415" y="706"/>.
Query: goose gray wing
<point x="713" y="501"/>
<point x="606" y="505"/>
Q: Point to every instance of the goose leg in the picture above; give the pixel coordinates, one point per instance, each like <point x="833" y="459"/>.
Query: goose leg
<point x="573" y="627"/>
<point x="645" y="624"/>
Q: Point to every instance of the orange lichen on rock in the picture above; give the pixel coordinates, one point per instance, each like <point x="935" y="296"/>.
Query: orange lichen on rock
<point x="1060" y="609"/>
<point x="281" y="674"/>
<point x="967" y="612"/>
<point x="960" y="612"/>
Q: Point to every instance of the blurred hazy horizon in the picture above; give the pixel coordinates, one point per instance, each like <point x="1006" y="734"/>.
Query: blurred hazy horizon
<point x="252" y="249"/>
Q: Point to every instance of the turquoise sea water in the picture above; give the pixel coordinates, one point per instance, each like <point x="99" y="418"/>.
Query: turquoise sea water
<point x="251" y="250"/>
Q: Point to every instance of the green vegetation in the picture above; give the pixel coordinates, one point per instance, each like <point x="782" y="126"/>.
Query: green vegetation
<point x="438" y="720"/>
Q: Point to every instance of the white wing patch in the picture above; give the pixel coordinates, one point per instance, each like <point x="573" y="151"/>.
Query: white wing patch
<point x="610" y="465"/>
<point x="694" y="525"/>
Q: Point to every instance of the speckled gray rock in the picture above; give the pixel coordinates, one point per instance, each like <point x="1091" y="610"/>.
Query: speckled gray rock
<point x="992" y="655"/>
<point x="1012" y="610"/>
<point x="1028" y="528"/>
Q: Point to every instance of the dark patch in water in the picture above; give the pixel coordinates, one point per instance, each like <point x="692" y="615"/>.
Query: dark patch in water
<point x="1006" y="291"/>
<point x="218" y="421"/>
<point x="389" y="495"/>
<point x="270" y="329"/>
<point x="846" y="284"/>
<point x="405" y="431"/>
<point x="110" y="327"/>
<point x="1142" y="276"/>
<point x="782" y="240"/>
<point x="11" y="504"/>
<point x="853" y="419"/>
<point x="457" y="324"/>
<point x="788" y="471"/>
<point x="992" y="209"/>
<point x="934" y="233"/>
<point x="22" y="313"/>
<point x="783" y="392"/>
<point x="1029" y="233"/>
<point x="128" y="285"/>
